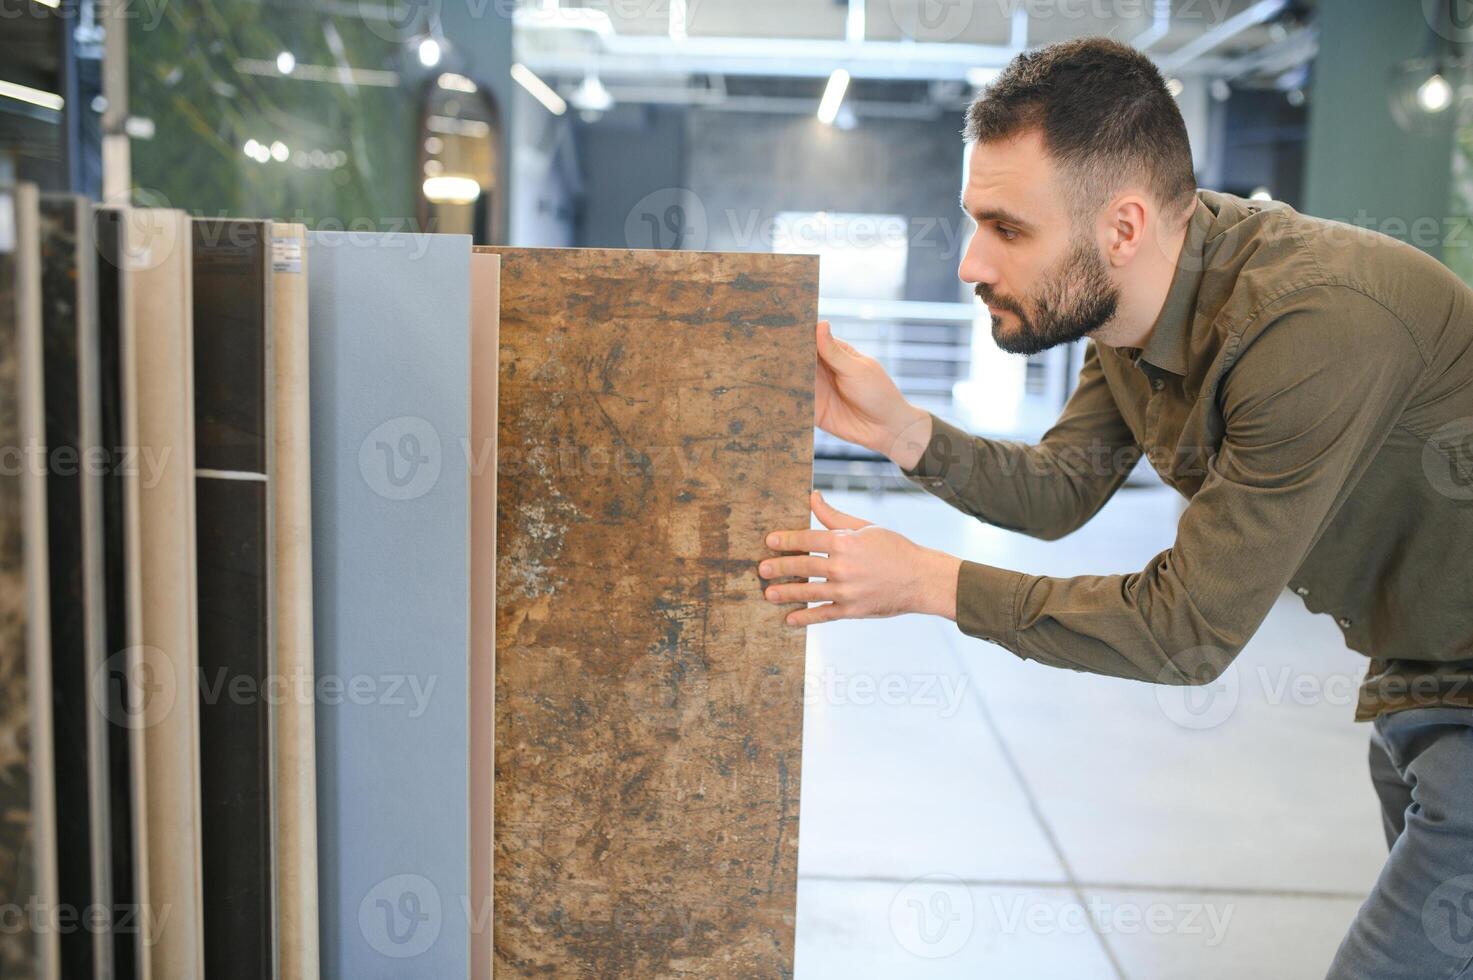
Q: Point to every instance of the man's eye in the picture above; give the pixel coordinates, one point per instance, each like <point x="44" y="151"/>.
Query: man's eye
<point x="1008" y="234"/>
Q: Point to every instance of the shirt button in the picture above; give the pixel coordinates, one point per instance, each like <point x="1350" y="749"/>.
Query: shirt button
<point x="1344" y="623"/>
<point x="1301" y="591"/>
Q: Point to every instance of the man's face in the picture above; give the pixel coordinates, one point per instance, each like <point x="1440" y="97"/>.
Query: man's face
<point x="1039" y="270"/>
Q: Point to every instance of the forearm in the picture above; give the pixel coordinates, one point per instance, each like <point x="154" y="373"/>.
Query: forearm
<point x="1045" y="491"/>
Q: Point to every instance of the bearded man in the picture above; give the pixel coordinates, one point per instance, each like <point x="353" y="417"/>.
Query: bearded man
<point x="1306" y="386"/>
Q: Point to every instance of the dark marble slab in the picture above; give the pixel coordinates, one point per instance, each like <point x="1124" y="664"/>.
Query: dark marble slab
<point x="81" y="785"/>
<point x="231" y="300"/>
<point x="655" y="421"/>
<point x="112" y="686"/>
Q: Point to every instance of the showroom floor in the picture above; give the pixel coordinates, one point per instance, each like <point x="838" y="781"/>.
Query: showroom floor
<point x="966" y="814"/>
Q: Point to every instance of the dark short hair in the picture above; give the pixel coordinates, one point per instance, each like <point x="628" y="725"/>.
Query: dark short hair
<point x="1104" y="113"/>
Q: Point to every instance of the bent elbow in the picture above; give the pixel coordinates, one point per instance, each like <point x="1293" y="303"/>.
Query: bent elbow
<point x="1199" y="666"/>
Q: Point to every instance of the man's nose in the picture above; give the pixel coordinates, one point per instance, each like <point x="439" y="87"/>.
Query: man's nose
<point x="976" y="268"/>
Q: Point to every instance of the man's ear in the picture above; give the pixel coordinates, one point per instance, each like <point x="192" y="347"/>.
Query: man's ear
<point x="1125" y="228"/>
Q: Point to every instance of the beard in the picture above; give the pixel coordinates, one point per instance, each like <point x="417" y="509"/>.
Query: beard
<point x="1074" y="299"/>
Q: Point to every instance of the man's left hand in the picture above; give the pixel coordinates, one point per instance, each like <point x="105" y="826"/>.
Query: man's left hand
<point x="867" y="572"/>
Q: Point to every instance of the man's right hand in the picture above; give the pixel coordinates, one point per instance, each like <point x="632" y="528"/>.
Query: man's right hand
<point x="855" y="400"/>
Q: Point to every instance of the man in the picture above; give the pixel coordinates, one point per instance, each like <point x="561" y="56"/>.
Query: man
<point x="1306" y="385"/>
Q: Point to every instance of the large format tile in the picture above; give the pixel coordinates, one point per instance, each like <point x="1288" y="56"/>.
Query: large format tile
<point x="1217" y="787"/>
<point x="655" y="424"/>
<point x="232" y="391"/>
<point x="391" y="494"/>
<point x="935" y="928"/>
<point x="73" y="516"/>
<point x="1187" y="936"/>
<point x="27" y="835"/>
<point x="1258" y="781"/>
<point x="900" y="775"/>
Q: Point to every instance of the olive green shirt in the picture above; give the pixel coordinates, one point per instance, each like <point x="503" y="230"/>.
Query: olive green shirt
<point x="1308" y="387"/>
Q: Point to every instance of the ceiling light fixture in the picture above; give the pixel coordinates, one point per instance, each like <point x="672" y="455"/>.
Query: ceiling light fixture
<point x="538" y="89"/>
<point x="833" y="97"/>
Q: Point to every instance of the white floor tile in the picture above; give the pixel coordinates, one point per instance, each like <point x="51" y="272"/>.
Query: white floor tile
<point x="1178" y="936"/>
<point x="936" y="929"/>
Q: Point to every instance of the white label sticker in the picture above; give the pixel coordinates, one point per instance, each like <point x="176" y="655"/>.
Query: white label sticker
<point x="7" y="223"/>
<point x="286" y="255"/>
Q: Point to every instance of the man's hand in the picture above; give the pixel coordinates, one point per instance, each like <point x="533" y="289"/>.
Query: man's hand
<point x="857" y="401"/>
<point x="868" y="572"/>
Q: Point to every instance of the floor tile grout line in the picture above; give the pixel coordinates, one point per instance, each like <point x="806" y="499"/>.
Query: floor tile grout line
<point x="1046" y="828"/>
<point x="1104" y="886"/>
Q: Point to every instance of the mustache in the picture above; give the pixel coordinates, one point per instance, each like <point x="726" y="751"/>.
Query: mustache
<point x="996" y="302"/>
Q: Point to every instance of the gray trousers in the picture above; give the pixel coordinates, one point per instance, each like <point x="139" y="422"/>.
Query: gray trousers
<point x="1417" y="923"/>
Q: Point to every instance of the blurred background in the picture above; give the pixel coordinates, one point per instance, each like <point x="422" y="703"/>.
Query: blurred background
<point x="989" y="818"/>
<point x="826" y="126"/>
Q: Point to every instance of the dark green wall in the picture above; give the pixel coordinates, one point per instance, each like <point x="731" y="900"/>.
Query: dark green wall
<point x="1361" y="167"/>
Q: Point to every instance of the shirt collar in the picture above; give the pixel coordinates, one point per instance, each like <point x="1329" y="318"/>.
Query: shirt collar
<point x="1166" y="348"/>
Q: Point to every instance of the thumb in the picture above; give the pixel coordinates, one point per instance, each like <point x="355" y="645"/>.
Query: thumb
<point x="834" y="352"/>
<point x="834" y="520"/>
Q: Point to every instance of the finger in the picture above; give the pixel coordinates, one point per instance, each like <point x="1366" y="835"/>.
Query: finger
<point x="802" y="592"/>
<point x="833" y="352"/>
<point x="800" y="541"/>
<point x="795" y="566"/>
<point x="832" y="518"/>
<point x="825" y="613"/>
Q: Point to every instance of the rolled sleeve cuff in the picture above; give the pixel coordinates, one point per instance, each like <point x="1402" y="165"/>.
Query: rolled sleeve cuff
<point x="941" y="464"/>
<point x="987" y="603"/>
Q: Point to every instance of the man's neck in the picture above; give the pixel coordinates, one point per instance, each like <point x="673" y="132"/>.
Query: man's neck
<point x="1143" y="292"/>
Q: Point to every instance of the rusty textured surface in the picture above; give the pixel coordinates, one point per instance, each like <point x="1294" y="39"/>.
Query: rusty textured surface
<point x="656" y="420"/>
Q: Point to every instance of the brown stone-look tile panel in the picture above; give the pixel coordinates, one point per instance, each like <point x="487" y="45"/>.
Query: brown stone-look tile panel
<point x="656" y="420"/>
<point x="17" y="876"/>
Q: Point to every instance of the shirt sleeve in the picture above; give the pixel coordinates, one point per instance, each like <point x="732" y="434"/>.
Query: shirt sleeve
<point x="1047" y="490"/>
<point x="1309" y="400"/>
